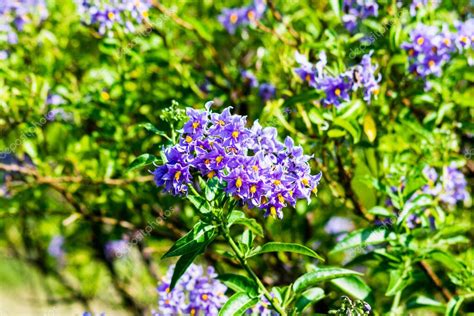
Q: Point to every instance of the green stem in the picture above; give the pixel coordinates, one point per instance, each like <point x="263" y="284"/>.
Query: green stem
<point x="240" y="256"/>
<point x="396" y="302"/>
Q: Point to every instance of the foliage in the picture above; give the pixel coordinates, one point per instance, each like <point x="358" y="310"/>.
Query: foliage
<point x="86" y="115"/>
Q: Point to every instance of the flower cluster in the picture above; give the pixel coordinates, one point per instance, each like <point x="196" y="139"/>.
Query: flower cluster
<point x="356" y="10"/>
<point x="429" y="49"/>
<point x="251" y="163"/>
<point x="231" y="19"/>
<point x="106" y="14"/>
<point x="450" y="187"/>
<point x="196" y="293"/>
<point x="338" y="89"/>
<point x="14" y="15"/>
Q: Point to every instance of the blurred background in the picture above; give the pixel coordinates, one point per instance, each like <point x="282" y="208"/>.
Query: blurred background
<point x="81" y="229"/>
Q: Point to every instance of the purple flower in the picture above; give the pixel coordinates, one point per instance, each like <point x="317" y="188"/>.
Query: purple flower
<point x="358" y="10"/>
<point x="450" y="188"/>
<point x="250" y="163"/>
<point x="249" y="78"/>
<point x="14" y="15"/>
<point x="306" y="71"/>
<point x="266" y="91"/>
<point x="196" y="293"/>
<point x="429" y="49"/>
<point x="336" y="89"/>
<point x="231" y="19"/>
<point x="364" y="78"/>
<point x="105" y="15"/>
<point x="116" y="249"/>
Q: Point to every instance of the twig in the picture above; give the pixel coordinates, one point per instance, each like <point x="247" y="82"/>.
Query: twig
<point x="436" y="280"/>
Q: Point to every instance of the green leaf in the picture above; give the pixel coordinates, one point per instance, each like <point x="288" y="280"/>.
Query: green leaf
<point x="348" y="126"/>
<point x="335" y="133"/>
<point x="285" y="247"/>
<point x="151" y="128"/>
<point x="381" y="211"/>
<point x="200" y="236"/>
<point x="425" y="303"/>
<point x="354" y="286"/>
<point x="304" y="97"/>
<point x="307" y="298"/>
<point x="454" y="305"/>
<point x="142" y="160"/>
<point x="239" y="283"/>
<point x="237" y="304"/>
<point x="397" y="283"/>
<point x="201" y="205"/>
<point x="447" y="259"/>
<point x="311" y="279"/>
<point x="362" y="238"/>
<point x="211" y="189"/>
<point x="182" y="265"/>
<point x="238" y="217"/>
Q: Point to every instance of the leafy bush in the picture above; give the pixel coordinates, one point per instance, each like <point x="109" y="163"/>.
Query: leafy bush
<point x="337" y="183"/>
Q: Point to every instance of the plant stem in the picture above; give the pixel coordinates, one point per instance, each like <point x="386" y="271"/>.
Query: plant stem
<point x="276" y="305"/>
<point x="396" y="302"/>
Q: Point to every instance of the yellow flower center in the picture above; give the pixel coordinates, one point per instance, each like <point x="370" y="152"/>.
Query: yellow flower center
<point x="337" y="92"/>
<point x="255" y="168"/>
<point x="411" y="52"/>
<point x="305" y="181"/>
<point x="420" y="41"/>
<point x="233" y="18"/>
<point x="167" y="290"/>
<point x="167" y="302"/>
<point x="145" y="14"/>
<point x="273" y="211"/>
<point x="195" y="124"/>
<point x="219" y="159"/>
<point x="376" y="91"/>
<point x="251" y="15"/>
<point x="290" y="192"/>
<point x="253" y="189"/>
<point x="238" y="182"/>
<point x="431" y="63"/>
<point x="111" y="15"/>
<point x="221" y="123"/>
<point x="277" y="182"/>
<point x="235" y="134"/>
<point x="315" y="190"/>
<point x="192" y="312"/>
<point x="211" y="174"/>
<point x="308" y="78"/>
<point x="447" y="41"/>
<point x="188" y="139"/>
<point x="177" y="175"/>
<point x="207" y="161"/>
<point x="204" y="297"/>
<point x="281" y="199"/>
<point x="463" y="39"/>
